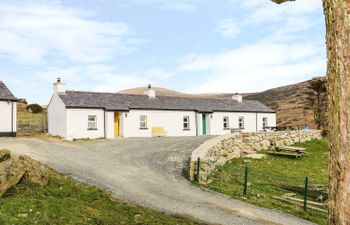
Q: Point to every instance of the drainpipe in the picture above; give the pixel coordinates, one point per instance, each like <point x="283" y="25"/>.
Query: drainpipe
<point x="104" y="123"/>
<point x="196" y="114"/>
<point x="256" y="122"/>
<point x="12" y="133"/>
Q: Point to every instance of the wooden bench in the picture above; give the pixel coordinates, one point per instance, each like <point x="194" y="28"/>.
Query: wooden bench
<point x="296" y="155"/>
<point x="159" y="132"/>
<point x="291" y="151"/>
<point x="298" y="150"/>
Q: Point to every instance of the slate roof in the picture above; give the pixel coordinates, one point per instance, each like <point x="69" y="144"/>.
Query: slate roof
<point x="5" y="93"/>
<point x="125" y="102"/>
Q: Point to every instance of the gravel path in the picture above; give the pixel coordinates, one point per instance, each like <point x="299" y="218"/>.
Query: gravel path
<point x="149" y="172"/>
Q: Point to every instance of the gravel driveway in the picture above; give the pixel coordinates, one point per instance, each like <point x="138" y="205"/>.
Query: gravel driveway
<point x="149" y="172"/>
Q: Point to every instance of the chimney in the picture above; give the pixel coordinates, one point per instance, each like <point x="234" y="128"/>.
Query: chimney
<point x="150" y="92"/>
<point x="237" y="97"/>
<point x="59" y="87"/>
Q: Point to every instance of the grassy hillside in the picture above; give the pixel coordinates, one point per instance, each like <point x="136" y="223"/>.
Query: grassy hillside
<point x="65" y="201"/>
<point x="290" y="103"/>
<point x="167" y="92"/>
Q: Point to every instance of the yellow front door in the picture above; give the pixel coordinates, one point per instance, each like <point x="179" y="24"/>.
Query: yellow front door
<point x="116" y="124"/>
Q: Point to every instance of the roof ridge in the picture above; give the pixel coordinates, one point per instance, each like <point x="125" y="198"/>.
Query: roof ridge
<point x="164" y="96"/>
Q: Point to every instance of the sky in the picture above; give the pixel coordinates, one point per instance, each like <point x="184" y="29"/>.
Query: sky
<point x="192" y="46"/>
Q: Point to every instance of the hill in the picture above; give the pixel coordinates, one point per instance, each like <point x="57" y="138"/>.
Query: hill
<point x="167" y="92"/>
<point x="289" y="101"/>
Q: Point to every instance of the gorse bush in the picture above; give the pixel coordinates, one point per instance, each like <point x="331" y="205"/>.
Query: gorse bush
<point x="34" y="108"/>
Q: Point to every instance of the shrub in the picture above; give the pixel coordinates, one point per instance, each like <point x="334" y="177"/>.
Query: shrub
<point x="22" y="100"/>
<point x="34" y="108"/>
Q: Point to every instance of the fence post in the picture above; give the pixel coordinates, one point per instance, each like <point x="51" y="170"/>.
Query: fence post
<point x="198" y="169"/>
<point x="305" y="192"/>
<point x="245" y="181"/>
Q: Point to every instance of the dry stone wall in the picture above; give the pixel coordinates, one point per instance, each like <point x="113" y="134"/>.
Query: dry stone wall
<point x="217" y="151"/>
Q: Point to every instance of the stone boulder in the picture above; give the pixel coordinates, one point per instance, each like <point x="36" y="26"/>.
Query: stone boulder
<point x="14" y="169"/>
<point x="4" y="155"/>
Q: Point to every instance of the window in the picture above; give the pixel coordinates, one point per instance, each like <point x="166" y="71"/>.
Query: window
<point x="186" y="122"/>
<point x="226" y="122"/>
<point x="92" y="122"/>
<point x="143" y="122"/>
<point x="241" y="122"/>
<point x="265" y="124"/>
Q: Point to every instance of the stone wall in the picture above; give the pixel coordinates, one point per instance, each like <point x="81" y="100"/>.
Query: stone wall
<point x="217" y="151"/>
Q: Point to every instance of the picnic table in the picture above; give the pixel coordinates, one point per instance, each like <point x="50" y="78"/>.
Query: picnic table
<point x="296" y="152"/>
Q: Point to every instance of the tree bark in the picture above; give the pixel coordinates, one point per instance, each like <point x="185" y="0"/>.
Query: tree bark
<point x="337" y="14"/>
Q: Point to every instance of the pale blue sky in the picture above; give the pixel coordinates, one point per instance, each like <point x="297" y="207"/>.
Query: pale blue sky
<point x="192" y="46"/>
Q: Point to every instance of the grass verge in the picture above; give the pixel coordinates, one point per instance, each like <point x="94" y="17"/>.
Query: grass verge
<point x="65" y="201"/>
<point x="270" y="176"/>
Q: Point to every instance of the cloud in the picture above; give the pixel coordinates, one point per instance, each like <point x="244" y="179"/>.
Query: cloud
<point x="254" y="67"/>
<point x="228" y="28"/>
<point x="266" y="11"/>
<point x="176" y="5"/>
<point x="159" y="74"/>
<point x="34" y="32"/>
<point x="94" y="77"/>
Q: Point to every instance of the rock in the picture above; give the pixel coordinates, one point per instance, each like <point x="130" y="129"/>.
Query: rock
<point x="15" y="169"/>
<point x="138" y="218"/>
<point x="4" y="155"/>
<point x="11" y="172"/>
<point x="255" y="156"/>
<point x="22" y="215"/>
<point x="265" y="144"/>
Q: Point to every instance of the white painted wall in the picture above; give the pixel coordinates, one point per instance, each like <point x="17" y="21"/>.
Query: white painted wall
<point x="199" y="122"/>
<point x="77" y="124"/>
<point x="57" y="113"/>
<point x="271" y="120"/>
<point x="5" y="116"/>
<point x="122" y="124"/>
<point x="250" y="121"/>
<point x="172" y="121"/>
<point x="109" y="124"/>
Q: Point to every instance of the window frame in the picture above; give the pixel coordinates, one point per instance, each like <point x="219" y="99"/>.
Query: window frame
<point x="226" y="122"/>
<point x="265" y="123"/>
<point x="186" y="122"/>
<point x="145" y="122"/>
<point x="94" y="122"/>
<point x="241" y="122"/>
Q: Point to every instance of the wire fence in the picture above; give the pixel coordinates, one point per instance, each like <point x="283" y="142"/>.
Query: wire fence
<point x="302" y="195"/>
<point x="305" y="192"/>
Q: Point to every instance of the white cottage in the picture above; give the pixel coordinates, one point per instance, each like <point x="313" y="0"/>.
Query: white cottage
<point x="8" y="112"/>
<point x="77" y="114"/>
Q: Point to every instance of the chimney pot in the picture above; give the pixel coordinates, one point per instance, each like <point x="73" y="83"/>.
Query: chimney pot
<point x="150" y="93"/>
<point x="237" y="97"/>
<point x="59" y="87"/>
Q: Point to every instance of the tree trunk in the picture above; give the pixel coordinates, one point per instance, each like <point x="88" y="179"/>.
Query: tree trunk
<point x="337" y="14"/>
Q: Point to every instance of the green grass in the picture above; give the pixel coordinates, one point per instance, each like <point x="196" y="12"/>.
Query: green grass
<point x="268" y="177"/>
<point x="65" y="201"/>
